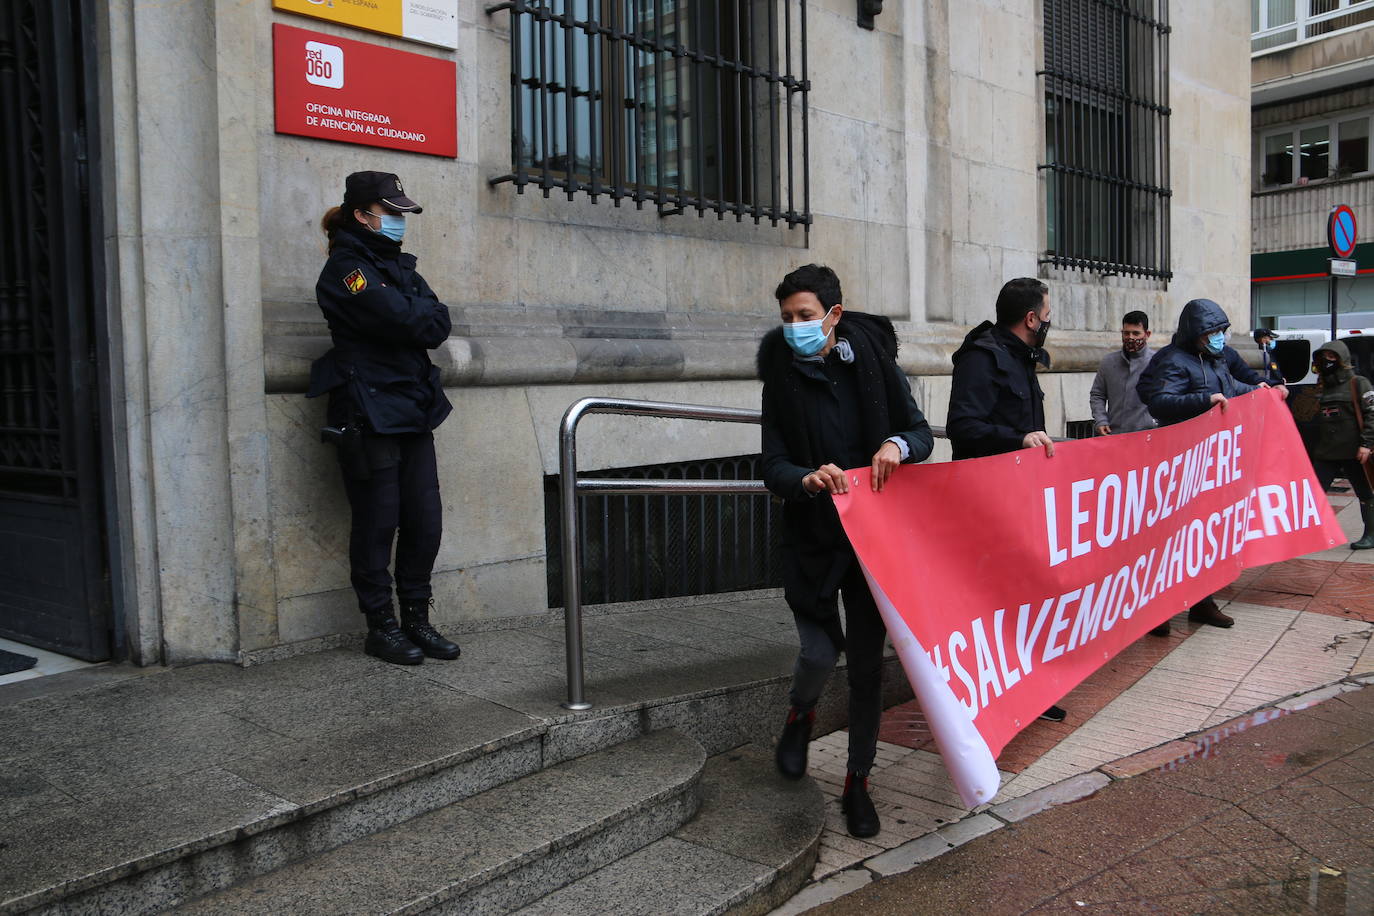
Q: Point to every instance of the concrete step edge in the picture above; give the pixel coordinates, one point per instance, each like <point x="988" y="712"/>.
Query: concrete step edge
<point x="142" y="879"/>
<point x="497" y="850"/>
<point x="751" y="846"/>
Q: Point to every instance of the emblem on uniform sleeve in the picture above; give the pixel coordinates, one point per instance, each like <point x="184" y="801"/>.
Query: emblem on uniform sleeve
<point x="356" y="282"/>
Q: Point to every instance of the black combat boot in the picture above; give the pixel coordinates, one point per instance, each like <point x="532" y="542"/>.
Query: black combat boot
<point x="386" y="641"/>
<point x="796" y="736"/>
<point x="860" y="816"/>
<point x="1367" y="513"/>
<point x="415" y="625"/>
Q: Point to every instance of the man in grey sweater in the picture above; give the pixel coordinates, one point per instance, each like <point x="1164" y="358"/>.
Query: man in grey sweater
<point x="1116" y="406"/>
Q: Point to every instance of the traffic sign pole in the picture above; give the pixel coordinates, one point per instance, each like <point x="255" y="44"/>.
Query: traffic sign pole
<point x="1341" y="234"/>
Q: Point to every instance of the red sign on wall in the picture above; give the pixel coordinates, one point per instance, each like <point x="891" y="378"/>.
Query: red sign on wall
<point x="338" y="89"/>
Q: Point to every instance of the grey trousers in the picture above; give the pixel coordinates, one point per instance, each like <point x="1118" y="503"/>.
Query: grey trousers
<point x="864" y="635"/>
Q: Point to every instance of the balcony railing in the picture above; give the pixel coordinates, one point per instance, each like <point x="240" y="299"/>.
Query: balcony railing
<point x="1295" y="218"/>
<point x="1303" y="24"/>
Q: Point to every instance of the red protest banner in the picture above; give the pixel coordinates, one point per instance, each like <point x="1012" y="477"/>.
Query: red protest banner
<point x="340" y="89"/>
<point x="1005" y="581"/>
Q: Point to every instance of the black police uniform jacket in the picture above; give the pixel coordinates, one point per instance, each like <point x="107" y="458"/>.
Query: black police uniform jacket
<point x="1180" y="381"/>
<point x="995" y="398"/>
<point x="383" y="317"/>
<point x="828" y="411"/>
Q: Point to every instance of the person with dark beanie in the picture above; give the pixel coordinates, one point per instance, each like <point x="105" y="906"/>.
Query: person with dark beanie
<point x="833" y="398"/>
<point x="385" y="401"/>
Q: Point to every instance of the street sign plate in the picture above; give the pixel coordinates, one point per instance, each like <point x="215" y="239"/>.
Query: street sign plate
<point x="1340" y="267"/>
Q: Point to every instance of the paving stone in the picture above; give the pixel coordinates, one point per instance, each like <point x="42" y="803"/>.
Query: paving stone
<point x="1152" y="759"/>
<point x="1058" y="794"/>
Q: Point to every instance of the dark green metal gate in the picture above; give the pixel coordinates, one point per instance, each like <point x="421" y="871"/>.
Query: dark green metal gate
<point x="54" y="589"/>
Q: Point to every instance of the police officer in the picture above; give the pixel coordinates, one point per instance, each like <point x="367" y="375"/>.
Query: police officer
<point x="385" y="400"/>
<point x="1270" y="374"/>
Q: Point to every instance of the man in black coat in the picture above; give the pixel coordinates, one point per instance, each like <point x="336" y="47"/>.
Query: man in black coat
<point x="995" y="401"/>
<point x="833" y="398"/>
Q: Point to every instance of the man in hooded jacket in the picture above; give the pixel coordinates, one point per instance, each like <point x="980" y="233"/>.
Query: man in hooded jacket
<point x="1183" y="381"/>
<point x="833" y="398"/>
<point x="1345" y="429"/>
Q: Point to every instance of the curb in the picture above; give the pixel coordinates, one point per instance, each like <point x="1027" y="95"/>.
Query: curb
<point x="1171" y="754"/>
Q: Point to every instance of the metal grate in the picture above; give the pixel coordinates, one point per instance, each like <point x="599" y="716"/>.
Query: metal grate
<point x="636" y="548"/>
<point x="685" y="104"/>
<point x="42" y="291"/>
<point x="1107" y="136"/>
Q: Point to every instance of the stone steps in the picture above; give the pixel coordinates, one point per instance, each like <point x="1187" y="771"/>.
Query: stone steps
<point x="647" y="826"/>
<point x="751" y="846"/>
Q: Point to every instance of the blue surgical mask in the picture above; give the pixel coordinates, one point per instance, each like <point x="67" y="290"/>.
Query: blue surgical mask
<point x="806" y="338"/>
<point x="393" y="226"/>
<point x="1269" y="345"/>
<point x="1216" y="341"/>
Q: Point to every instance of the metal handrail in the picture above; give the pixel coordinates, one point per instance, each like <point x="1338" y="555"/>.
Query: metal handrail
<point x="569" y="486"/>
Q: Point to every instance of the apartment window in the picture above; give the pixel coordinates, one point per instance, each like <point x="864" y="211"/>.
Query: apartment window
<point x="1280" y="23"/>
<point x="688" y="105"/>
<point x="1303" y="153"/>
<point x="1106" y="160"/>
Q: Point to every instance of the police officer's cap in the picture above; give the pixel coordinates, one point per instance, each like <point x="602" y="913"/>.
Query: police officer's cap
<point x="1262" y="332"/>
<point x="362" y="188"/>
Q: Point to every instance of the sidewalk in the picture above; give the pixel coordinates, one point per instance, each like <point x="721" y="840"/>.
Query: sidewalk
<point x="1273" y="818"/>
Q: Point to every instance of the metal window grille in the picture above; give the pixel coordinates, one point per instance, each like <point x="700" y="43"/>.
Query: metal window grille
<point x="1107" y="136"/>
<point x="636" y="548"/>
<point x="684" y="104"/>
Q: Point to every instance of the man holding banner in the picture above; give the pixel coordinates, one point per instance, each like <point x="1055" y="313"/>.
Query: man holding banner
<point x="995" y="401"/>
<point x="833" y="398"/>
<point x="1183" y="381"/>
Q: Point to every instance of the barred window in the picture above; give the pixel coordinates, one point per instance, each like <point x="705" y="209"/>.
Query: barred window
<point x="684" y="104"/>
<point x="1107" y="136"/>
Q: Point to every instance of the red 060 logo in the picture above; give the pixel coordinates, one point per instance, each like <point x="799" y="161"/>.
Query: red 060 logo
<point x="324" y="65"/>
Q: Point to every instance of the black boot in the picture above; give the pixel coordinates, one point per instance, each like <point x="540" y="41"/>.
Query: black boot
<point x="415" y="624"/>
<point x="860" y="816"/>
<point x="796" y="736"/>
<point x="1367" y="514"/>
<point x="386" y="641"/>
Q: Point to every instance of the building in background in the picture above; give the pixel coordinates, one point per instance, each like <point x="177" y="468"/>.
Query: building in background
<point x="1313" y="100"/>
<point x="630" y="182"/>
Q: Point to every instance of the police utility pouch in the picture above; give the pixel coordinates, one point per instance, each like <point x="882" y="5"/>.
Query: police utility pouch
<point x="348" y="441"/>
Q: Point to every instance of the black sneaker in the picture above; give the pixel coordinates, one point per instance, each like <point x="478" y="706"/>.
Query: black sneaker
<point x="1054" y="714"/>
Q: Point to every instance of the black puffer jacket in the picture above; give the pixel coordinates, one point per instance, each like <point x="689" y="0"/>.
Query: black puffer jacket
<point x="994" y="397"/>
<point x="383" y="317"/>
<point x="1180" y="381"/>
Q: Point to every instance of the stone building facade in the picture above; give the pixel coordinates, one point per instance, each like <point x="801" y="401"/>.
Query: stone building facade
<point x="927" y="137"/>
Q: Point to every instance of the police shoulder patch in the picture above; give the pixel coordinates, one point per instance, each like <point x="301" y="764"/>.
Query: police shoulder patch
<point x="355" y="281"/>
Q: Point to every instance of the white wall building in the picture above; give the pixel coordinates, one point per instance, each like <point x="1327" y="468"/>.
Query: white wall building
<point x="1099" y="145"/>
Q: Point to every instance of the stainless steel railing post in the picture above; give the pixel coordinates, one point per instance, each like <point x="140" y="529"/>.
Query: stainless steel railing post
<point x="572" y="553"/>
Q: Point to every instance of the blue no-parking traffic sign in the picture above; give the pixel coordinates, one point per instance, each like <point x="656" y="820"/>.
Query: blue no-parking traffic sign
<point x="1340" y="230"/>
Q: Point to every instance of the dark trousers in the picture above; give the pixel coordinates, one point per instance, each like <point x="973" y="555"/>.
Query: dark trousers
<point x="401" y="492"/>
<point x="864" y="633"/>
<point x="1350" y="469"/>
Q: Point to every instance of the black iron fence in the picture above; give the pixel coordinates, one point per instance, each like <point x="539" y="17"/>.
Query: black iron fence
<point x="640" y="547"/>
